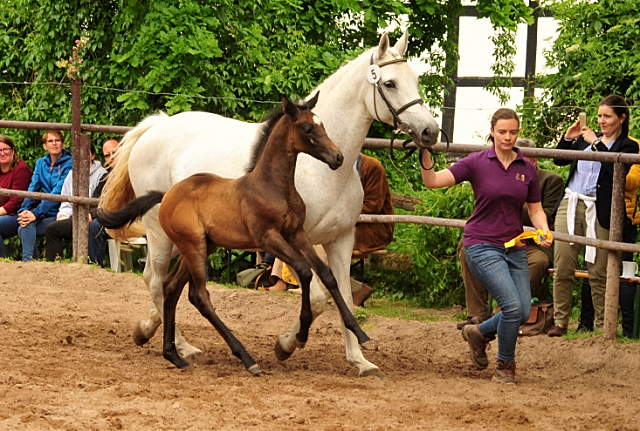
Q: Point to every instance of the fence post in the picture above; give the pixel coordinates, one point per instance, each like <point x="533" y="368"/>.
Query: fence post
<point x="618" y="213"/>
<point x="81" y="168"/>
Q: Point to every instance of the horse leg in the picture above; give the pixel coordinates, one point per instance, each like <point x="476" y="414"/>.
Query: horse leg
<point x="173" y="284"/>
<point x="159" y="254"/>
<point x="324" y="273"/>
<point x="339" y="255"/>
<point x="199" y="297"/>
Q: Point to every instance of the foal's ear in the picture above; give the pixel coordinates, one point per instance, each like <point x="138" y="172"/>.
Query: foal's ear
<point x="311" y="103"/>
<point x="289" y="108"/>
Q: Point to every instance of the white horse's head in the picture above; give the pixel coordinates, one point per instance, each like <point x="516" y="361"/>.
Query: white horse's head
<point x="394" y="98"/>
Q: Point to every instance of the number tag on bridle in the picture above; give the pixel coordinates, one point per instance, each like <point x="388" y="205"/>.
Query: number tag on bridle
<point x="373" y="73"/>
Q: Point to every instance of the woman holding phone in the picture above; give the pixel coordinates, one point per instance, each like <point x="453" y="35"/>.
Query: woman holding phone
<point x="585" y="207"/>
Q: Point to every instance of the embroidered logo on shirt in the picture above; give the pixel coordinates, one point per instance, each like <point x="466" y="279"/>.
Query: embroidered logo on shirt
<point x="520" y="177"/>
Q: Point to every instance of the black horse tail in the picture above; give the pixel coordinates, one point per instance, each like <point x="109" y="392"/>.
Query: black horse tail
<point x="133" y="211"/>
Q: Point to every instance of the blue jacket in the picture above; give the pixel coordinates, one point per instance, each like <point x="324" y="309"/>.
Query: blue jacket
<point x="47" y="179"/>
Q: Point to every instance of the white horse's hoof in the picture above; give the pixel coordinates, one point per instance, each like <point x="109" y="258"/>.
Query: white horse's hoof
<point x="139" y="337"/>
<point x="373" y="372"/>
<point x="188" y="351"/>
<point x="281" y="354"/>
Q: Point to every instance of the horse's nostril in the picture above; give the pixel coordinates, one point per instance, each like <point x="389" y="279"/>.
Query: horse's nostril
<point x="340" y="158"/>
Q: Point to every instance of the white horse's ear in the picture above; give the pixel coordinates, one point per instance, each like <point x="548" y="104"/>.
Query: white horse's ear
<point x="383" y="45"/>
<point x="402" y="43"/>
<point x="311" y="103"/>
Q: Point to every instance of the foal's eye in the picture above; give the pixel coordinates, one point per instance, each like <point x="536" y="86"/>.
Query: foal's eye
<point x="390" y="84"/>
<point x="307" y="128"/>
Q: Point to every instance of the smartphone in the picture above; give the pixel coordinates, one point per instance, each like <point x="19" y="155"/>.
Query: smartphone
<point x="583" y="120"/>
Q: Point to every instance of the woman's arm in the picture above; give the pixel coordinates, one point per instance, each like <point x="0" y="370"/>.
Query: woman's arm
<point x="431" y="178"/>
<point x="539" y="221"/>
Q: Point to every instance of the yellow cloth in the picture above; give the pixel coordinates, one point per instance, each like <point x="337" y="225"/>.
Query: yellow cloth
<point x="287" y="276"/>
<point x="537" y="236"/>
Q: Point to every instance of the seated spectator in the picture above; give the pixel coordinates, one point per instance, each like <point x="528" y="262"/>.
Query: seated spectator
<point x="377" y="200"/>
<point x="14" y="175"/>
<point x="48" y="177"/>
<point x="539" y="258"/>
<point x="61" y="229"/>
<point x="97" y="234"/>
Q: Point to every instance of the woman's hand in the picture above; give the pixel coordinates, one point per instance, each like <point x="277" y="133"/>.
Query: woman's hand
<point x="547" y="239"/>
<point x="588" y="135"/>
<point x="573" y="132"/>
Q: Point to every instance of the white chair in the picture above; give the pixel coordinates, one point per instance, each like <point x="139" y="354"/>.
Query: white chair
<point x="120" y="257"/>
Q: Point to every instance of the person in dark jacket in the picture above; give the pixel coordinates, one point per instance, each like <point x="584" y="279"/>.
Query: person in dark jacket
<point x="48" y="177"/>
<point x="585" y="207"/>
<point x="15" y="174"/>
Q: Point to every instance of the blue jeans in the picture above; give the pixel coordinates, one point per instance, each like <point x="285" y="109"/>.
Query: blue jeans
<point x="8" y="228"/>
<point x="28" y="236"/>
<point x="505" y="274"/>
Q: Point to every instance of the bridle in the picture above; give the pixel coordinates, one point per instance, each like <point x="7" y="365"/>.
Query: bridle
<point x="399" y="126"/>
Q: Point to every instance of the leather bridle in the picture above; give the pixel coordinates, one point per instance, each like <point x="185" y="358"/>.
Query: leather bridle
<point x="399" y="126"/>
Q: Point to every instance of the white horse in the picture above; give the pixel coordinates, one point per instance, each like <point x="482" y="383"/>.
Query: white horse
<point x="162" y="151"/>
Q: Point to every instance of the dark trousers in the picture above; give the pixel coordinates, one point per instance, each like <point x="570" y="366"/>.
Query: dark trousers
<point x="62" y="229"/>
<point x="97" y="242"/>
<point x="57" y="232"/>
<point x="626" y="297"/>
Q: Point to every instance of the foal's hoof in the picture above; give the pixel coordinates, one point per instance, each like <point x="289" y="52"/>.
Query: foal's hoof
<point x="255" y="370"/>
<point x="373" y="372"/>
<point x="138" y="335"/>
<point x="281" y="355"/>
<point x="173" y="357"/>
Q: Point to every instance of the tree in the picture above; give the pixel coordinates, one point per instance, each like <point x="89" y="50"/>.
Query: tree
<point x="596" y="54"/>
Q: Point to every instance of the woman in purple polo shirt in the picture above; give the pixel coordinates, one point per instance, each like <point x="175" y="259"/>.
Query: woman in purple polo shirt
<point x="502" y="181"/>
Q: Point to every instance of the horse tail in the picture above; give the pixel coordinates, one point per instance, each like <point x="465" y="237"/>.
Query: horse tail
<point x="118" y="190"/>
<point x="133" y="211"/>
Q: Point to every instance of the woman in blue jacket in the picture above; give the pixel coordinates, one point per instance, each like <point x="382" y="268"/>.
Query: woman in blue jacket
<point x="48" y="176"/>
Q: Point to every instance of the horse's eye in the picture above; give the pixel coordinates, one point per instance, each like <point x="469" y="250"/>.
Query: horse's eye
<point x="307" y="128"/>
<point x="390" y="84"/>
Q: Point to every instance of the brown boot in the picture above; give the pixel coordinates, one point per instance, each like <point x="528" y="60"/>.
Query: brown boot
<point x="557" y="331"/>
<point x="477" y="346"/>
<point x="505" y="372"/>
<point x="362" y="295"/>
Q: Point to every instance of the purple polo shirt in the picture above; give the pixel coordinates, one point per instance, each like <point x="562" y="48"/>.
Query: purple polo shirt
<point x="500" y="195"/>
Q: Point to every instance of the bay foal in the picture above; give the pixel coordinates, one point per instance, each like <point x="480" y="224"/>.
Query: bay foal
<point x="261" y="210"/>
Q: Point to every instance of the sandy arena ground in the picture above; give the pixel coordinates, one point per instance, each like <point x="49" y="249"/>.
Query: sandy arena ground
<point x="70" y="364"/>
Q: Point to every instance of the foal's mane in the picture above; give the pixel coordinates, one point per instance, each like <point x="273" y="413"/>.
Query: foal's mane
<point x="269" y="123"/>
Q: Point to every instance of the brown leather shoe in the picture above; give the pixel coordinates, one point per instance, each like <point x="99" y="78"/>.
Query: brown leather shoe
<point x="477" y="346"/>
<point x="505" y="372"/>
<point x="362" y="295"/>
<point x="557" y="331"/>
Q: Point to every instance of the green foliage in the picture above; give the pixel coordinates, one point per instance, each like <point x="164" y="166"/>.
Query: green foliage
<point x="596" y="54"/>
<point x="233" y="58"/>
<point x="434" y="248"/>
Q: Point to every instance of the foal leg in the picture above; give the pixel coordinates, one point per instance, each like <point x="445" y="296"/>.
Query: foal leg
<point x="160" y="252"/>
<point x="199" y="297"/>
<point x="325" y="274"/>
<point x="172" y="287"/>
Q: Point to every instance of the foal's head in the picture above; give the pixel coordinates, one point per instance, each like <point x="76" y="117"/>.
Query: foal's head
<point x="304" y="132"/>
<point x="309" y="135"/>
